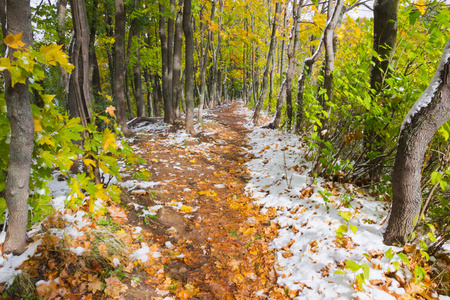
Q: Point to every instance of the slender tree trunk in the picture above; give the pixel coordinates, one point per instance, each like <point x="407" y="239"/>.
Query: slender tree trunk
<point x="119" y="67"/>
<point x="384" y="41"/>
<point x="214" y="74"/>
<point x="18" y="103"/>
<point x="429" y="113"/>
<point x="149" y="97"/>
<point x="137" y="77"/>
<point x="204" y="64"/>
<point x="189" y="86"/>
<point x="176" y="73"/>
<point x="262" y="95"/>
<point x="61" y="7"/>
<point x="287" y="83"/>
<point x="79" y="96"/>
<point x="272" y="68"/>
<point x="310" y="61"/>
<point x="96" y="88"/>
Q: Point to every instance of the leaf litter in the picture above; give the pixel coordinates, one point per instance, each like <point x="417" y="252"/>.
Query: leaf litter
<point x="229" y="214"/>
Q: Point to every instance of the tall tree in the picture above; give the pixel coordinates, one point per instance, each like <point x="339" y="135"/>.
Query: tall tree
<point x="286" y="86"/>
<point x="61" y="7"/>
<point x="189" y="81"/>
<point x="262" y="95"/>
<point x="79" y="97"/>
<point x="176" y="73"/>
<point x="166" y="56"/>
<point x="18" y="102"/>
<point x="119" y="67"/>
<point x="429" y="113"/>
<point x="204" y="63"/>
<point x="385" y="22"/>
<point x="135" y="32"/>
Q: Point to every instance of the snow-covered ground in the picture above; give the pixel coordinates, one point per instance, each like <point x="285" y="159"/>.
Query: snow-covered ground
<point x="307" y="248"/>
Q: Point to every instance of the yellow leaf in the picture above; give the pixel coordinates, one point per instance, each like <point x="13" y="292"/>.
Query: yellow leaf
<point x="110" y="110"/>
<point x="192" y="161"/>
<point x="14" y="41"/>
<point x="208" y="193"/>
<point x="47" y="98"/>
<point x="420" y="4"/>
<point x="89" y="162"/>
<point x="37" y="124"/>
<point x="186" y="209"/>
<point x="5" y="64"/>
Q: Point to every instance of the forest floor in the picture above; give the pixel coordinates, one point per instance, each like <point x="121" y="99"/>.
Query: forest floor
<point x="231" y="213"/>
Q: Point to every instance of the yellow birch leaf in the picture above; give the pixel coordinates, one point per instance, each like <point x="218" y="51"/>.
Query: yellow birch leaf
<point x="14" y="41"/>
<point x="186" y="209"/>
<point x="89" y="162"/>
<point x="420" y="4"/>
<point x="37" y="124"/>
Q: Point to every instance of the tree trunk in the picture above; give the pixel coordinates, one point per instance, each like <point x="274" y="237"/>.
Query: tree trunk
<point x="18" y="102"/>
<point x="310" y="61"/>
<point x="429" y="113"/>
<point x="148" y="85"/>
<point x="138" y="94"/>
<point x="286" y="86"/>
<point x="204" y="63"/>
<point x="61" y="7"/>
<point x="176" y="73"/>
<point x="96" y="88"/>
<point x="119" y="67"/>
<point x="262" y="95"/>
<point x="384" y="40"/>
<point x="189" y="68"/>
<point x="79" y="97"/>
<point x="166" y="55"/>
<point x="214" y="74"/>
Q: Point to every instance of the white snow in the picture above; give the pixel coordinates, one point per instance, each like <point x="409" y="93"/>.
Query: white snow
<point x="429" y="92"/>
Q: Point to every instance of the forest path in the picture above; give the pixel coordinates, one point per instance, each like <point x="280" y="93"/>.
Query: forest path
<point x="212" y="239"/>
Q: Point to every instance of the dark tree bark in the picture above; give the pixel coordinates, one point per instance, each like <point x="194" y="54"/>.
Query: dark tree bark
<point x="135" y="32"/>
<point x="119" y="67"/>
<point x="93" y="63"/>
<point x="263" y="93"/>
<point x="416" y="133"/>
<point x="18" y="102"/>
<point x="189" y="68"/>
<point x="384" y="41"/>
<point x="176" y="72"/>
<point x="166" y="56"/>
<point x="148" y="85"/>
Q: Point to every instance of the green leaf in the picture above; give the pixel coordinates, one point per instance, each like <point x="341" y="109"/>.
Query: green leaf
<point x="339" y="272"/>
<point x="365" y="268"/>
<point x="396" y="265"/>
<point x="443" y="184"/>
<point x="431" y="236"/>
<point x="353" y="228"/>
<point x="353" y="266"/>
<point x="425" y="255"/>
<point x="346" y="215"/>
<point x="404" y="258"/>
<point x="419" y="274"/>
<point x="234" y="233"/>
<point x="423" y="245"/>
<point x="361" y="280"/>
<point x="435" y="177"/>
<point x="389" y="253"/>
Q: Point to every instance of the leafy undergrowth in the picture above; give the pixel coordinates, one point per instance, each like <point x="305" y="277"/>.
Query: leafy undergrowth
<point x="229" y="214"/>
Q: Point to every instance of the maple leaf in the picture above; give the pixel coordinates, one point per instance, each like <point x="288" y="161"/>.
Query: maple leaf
<point x="110" y="110"/>
<point x="95" y="286"/>
<point x="186" y="209"/>
<point x="14" y="41"/>
<point x="114" y="287"/>
<point x="117" y="214"/>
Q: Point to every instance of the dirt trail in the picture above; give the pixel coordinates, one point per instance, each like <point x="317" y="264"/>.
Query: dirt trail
<point x="220" y="248"/>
